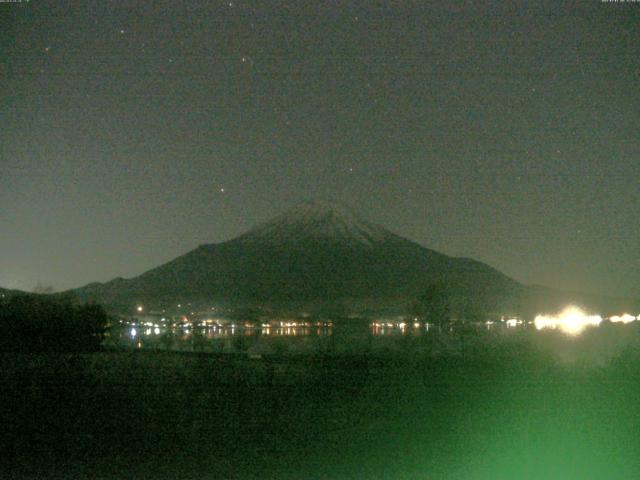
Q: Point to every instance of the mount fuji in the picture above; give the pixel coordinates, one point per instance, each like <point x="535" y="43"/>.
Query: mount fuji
<point x="315" y="252"/>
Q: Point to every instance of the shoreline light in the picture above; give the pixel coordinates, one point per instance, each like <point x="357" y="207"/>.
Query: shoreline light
<point x="624" y="318"/>
<point x="571" y="321"/>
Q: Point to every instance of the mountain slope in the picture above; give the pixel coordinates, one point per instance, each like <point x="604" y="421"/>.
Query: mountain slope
<point x="7" y="293"/>
<point x="314" y="252"/>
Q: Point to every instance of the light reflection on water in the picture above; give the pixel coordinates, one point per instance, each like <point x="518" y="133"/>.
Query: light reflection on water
<point x="361" y="337"/>
<point x="375" y="329"/>
<point x="243" y="337"/>
<point x="217" y="338"/>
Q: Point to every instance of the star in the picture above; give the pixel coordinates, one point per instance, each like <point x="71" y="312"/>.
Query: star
<point x="222" y="190"/>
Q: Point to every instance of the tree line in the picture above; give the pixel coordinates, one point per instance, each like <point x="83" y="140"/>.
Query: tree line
<point x="440" y="304"/>
<point x="41" y="323"/>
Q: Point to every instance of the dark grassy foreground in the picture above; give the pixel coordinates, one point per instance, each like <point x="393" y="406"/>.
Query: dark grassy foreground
<point x="508" y="411"/>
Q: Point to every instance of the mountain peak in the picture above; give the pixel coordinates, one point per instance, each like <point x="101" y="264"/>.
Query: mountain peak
<point x="315" y="220"/>
<point x="316" y="251"/>
<point x="312" y="210"/>
<point x="320" y="206"/>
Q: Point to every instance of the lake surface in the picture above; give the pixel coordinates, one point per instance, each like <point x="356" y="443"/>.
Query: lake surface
<point x="594" y="344"/>
<point x="324" y="337"/>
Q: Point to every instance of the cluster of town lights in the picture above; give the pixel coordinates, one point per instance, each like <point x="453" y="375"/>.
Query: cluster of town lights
<point x="573" y="321"/>
<point x="624" y="318"/>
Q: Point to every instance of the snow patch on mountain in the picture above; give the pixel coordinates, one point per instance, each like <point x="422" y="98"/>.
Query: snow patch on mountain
<point x="317" y="221"/>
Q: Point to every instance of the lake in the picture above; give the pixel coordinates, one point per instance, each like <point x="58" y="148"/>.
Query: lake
<point x="366" y="337"/>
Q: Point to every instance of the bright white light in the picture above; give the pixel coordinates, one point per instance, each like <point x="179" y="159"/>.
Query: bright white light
<point x="140" y="309"/>
<point x="133" y="332"/>
<point x="513" y="322"/>
<point x="571" y="320"/>
<point x="624" y="318"/>
<point x="156" y="331"/>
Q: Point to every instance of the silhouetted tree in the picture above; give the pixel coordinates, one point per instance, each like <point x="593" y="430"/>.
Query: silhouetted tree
<point x="472" y="310"/>
<point x="199" y="339"/>
<point x="239" y="344"/>
<point x="43" y="289"/>
<point x="434" y="305"/>
<point x="167" y="340"/>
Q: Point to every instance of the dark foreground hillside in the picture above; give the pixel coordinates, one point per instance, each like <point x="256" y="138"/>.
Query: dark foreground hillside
<point x="41" y="323"/>
<point x="506" y="412"/>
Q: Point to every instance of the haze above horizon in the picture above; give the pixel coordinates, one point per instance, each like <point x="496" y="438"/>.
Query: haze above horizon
<point x="505" y="133"/>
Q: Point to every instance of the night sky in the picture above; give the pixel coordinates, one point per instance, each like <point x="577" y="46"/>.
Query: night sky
<point x="132" y="132"/>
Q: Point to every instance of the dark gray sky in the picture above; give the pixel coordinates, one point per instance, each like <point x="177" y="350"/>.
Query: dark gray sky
<point x="131" y="132"/>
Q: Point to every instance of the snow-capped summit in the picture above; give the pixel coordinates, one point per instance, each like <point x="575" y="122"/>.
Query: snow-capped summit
<point x="322" y="221"/>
